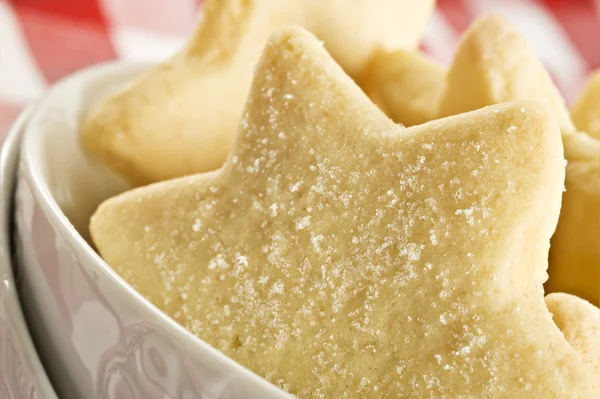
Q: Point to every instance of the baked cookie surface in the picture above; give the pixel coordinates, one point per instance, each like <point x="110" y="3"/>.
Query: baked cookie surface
<point x="191" y="104"/>
<point x="495" y="64"/>
<point x="384" y="261"/>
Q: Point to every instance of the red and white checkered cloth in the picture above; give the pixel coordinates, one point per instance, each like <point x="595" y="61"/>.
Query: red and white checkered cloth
<point x="44" y="40"/>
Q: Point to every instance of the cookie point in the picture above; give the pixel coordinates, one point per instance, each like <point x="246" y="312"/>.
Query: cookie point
<point x="537" y="119"/>
<point x="488" y="29"/>
<point x="293" y="36"/>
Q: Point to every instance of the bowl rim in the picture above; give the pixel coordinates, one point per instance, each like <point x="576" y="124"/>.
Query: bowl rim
<point x="9" y="160"/>
<point x="67" y="231"/>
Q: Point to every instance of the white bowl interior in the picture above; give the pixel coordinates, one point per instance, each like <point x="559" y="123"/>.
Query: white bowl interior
<point x="76" y="181"/>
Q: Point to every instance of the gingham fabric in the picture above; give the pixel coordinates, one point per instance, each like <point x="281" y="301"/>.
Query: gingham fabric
<point x="44" y="40"/>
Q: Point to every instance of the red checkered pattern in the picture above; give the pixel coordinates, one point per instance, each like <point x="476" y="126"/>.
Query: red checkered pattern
<point x="44" y="40"/>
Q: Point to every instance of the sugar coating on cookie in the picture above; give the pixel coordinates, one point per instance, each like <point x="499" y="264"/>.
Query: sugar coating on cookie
<point x="494" y="64"/>
<point x="384" y="261"/>
<point x="406" y="85"/>
<point x="180" y="117"/>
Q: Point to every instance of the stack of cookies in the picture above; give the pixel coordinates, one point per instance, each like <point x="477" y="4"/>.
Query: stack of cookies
<point x="343" y="244"/>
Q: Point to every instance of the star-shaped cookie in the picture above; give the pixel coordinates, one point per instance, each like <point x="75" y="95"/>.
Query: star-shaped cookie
<point x="339" y="255"/>
<point x="586" y="110"/>
<point x="406" y="85"/>
<point x="494" y="64"/>
<point x="180" y="117"/>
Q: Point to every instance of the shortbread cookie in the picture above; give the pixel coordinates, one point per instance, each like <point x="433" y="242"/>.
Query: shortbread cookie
<point x="495" y="64"/>
<point x="386" y="262"/>
<point x="580" y="323"/>
<point x="180" y="117"/>
<point x="406" y="85"/>
<point x="586" y="110"/>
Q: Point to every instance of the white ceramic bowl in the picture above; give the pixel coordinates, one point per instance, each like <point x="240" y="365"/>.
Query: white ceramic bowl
<point x="22" y="375"/>
<point x="98" y="337"/>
